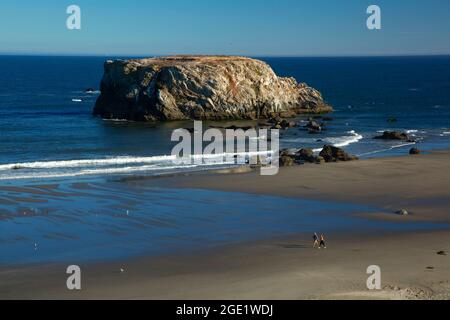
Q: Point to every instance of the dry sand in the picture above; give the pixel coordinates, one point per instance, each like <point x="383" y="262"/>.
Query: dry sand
<point x="288" y="268"/>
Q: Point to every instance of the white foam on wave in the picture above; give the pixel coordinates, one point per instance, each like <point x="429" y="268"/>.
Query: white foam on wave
<point x="388" y="149"/>
<point x="343" y="141"/>
<point x="44" y="175"/>
<point x="409" y="131"/>
<point x="116" y="120"/>
<point x="346" y="140"/>
<point x="117" y="165"/>
<point x="301" y="140"/>
<point x="84" y="163"/>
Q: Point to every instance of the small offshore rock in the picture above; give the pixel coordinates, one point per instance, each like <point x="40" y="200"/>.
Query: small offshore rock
<point x="314" y="125"/>
<point x="414" y="151"/>
<point x="393" y="135"/>
<point x="392" y="120"/>
<point x="278" y="123"/>
<point x="402" y="212"/>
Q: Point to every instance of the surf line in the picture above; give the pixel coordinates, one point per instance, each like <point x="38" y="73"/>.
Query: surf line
<point x="235" y="143"/>
<point x="391" y="148"/>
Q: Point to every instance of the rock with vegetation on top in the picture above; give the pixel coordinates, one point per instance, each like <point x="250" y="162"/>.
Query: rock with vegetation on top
<point x="202" y="88"/>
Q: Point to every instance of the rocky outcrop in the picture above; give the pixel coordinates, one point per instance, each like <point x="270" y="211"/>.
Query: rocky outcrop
<point x="394" y="135"/>
<point x="314" y="127"/>
<point x="286" y="161"/>
<point x="278" y="123"/>
<point x="302" y="156"/>
<point x="201" y="87"/>
<point x="402" y="212"/>
<point x="307" y="155"/>
<point x="334" y="154"/>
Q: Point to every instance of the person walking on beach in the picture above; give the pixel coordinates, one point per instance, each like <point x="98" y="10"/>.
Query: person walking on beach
<point x="322" y="242"/>
<point x="316" y="240"/>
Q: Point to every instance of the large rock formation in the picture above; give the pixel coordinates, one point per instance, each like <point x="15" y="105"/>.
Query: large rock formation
<point x="201" y="87"/>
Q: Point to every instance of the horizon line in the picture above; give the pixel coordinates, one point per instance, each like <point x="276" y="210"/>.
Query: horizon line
<point x="79" y="55"/>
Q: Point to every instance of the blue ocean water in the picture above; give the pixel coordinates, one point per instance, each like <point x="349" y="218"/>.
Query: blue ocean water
<point x="47" y="130"/>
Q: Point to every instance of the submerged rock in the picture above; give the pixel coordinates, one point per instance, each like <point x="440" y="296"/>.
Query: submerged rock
<point x="394" y="135"/>
<point x="203" y="88"/>
<point x="392" y="120"/>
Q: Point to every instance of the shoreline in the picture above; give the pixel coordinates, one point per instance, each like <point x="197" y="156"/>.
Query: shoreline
<point x="388" y="182"/>
<point x="287" y="267"/>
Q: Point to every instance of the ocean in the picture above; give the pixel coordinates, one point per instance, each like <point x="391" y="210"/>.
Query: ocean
<point x="47" y="130"/>
<point x="60" y="199"/>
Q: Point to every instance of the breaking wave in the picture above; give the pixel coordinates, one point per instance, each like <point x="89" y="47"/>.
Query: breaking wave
<point x="343" y="141"/>
<point x="118" y="165"/>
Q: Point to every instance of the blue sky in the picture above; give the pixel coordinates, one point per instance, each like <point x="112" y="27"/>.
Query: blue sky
<point x="246" y="27"/>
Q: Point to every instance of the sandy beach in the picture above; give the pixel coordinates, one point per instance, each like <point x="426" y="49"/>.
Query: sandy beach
<point x="287" y="267"/>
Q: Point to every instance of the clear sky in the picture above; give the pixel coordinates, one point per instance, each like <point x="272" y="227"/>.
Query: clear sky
<point x="246" y="27"/>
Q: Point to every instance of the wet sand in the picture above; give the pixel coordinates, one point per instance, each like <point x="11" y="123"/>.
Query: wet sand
<point x="288" y="268"/>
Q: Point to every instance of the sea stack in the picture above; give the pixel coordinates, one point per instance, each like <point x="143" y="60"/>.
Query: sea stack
<point x="201" y="88"/>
